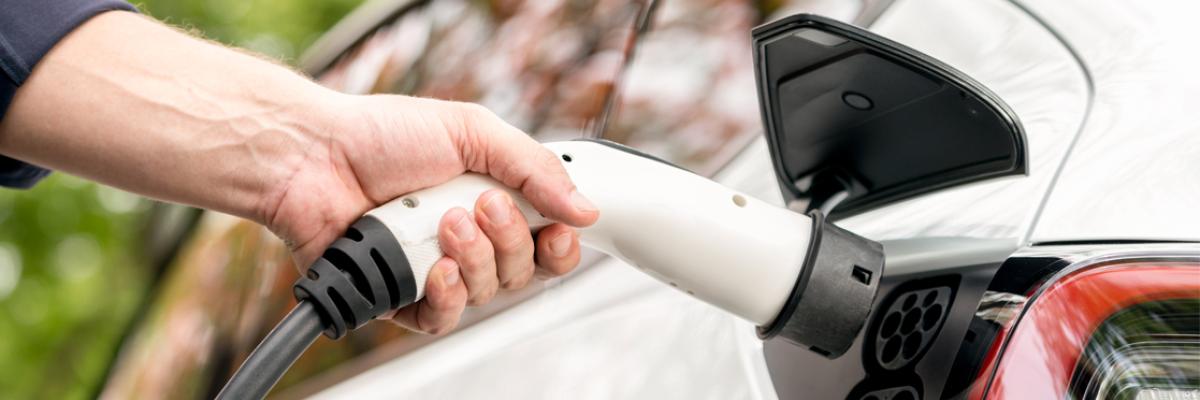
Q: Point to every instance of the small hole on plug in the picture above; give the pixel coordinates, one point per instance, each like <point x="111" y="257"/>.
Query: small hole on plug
<point x="862" y="275"/>
<point x="912" y="345"/>
<point x="931" y="317"/>
<point x="891" y="349"/>
<point x="911" y="318"/>
<point x="739" y="200"/>
<point x="313" y="275"/>
<point x="890" y="324"/>
<point x="567" y="157"/>
<point x="410" y="202"/>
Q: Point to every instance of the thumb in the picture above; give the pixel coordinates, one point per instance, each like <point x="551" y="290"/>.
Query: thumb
<point x="491" y="146"/>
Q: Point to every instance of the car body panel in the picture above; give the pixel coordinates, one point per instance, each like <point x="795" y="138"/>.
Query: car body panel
<point x="1135" y="171"/>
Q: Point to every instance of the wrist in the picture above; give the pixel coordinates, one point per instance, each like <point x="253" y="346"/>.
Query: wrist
<point x="301" y="135"/>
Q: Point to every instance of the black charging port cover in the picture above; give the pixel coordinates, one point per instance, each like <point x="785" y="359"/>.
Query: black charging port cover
<point x="847" y="110"/>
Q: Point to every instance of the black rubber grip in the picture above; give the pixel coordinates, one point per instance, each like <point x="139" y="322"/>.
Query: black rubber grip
<point x="834" y="293"/>
<point x="362" y="276"/>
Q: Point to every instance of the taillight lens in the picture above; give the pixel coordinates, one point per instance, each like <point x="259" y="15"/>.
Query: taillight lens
<point x="1117" y="330"/>
<point x="1147" y="351"/>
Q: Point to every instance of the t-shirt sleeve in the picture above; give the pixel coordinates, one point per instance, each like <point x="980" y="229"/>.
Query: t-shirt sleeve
<point x="28" y="30"/>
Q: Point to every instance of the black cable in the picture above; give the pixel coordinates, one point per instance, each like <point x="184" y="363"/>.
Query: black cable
<point x="360" y="277"/>
<point x="275" y="354"/>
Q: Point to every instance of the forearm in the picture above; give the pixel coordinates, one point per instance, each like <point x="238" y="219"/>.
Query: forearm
<point x="129" y="102"/>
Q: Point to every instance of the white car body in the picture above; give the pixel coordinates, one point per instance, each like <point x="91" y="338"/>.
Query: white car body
<point x="1114" y="145"/>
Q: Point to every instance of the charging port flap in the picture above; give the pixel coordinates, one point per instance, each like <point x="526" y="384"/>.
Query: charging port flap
<point x="856" y="121"/>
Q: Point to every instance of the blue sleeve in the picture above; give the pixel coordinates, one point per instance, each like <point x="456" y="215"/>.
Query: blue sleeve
<point x="28" y="29"/>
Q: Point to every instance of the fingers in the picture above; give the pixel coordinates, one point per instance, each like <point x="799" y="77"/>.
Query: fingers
<point x="462" y="241"/>
<point x="491" y="146"/>
<point x="503" y="223"/>
<point x="445" y="299"/>
<point x="490" y="250"/>
<point x="557" y="250"/>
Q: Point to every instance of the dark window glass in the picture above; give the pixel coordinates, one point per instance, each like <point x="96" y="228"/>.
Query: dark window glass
<point x="545" y="67"/>
<point x="689" y="95"/>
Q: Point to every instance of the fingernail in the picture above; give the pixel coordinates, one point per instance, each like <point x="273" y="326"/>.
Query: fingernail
<point x="464" y="229"/>
<point x="498" y="209"/>
<point x="581" y="203"/>
<point x="449" y="275"/>
<point x="561" y="245"/>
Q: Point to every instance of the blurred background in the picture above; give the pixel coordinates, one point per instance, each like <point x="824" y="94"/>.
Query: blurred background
<point x="76" y="259"/>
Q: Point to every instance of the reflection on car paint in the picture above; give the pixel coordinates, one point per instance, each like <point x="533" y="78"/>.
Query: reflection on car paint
<point x="545" y="67"/>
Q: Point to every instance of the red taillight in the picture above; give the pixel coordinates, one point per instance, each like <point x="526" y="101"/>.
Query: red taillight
<point x="1150" y="351"/>
<point x="1036" y="355"/>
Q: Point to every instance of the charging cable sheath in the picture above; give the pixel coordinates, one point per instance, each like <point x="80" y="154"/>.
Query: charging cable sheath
<point x="275" y="354"/>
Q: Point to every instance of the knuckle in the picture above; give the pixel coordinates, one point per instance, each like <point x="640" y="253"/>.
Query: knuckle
<point x="519" y="281"/>
<point x="476" y="263"/>
<point x="513" y="243"/>
<point x="515" y="264"/>
<point x="473" y="110"/>
<point x="516" y="284"/>
<point x="483" y="297"/>
<point x="447" y="309"/>
<point x="472" y="116"/>
<point x="456" y="250"/>
<point x="549" y="159"/>
<point x="471" y="127"/>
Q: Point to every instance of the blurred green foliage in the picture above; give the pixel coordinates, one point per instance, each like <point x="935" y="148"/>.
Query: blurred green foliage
<point x="70" y="278"/>
<point x="279" y="28"/>
<point x="72" y="269"/>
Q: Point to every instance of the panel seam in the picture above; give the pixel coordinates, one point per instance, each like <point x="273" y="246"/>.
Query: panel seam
<point x="1090" y="84"/>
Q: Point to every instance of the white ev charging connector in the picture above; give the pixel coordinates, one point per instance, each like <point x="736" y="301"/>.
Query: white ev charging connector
<point x="796" y="276"/>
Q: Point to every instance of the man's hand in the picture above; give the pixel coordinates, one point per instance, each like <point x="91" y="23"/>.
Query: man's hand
<point x="131" y="103"/>
<point x="381" y="147"/>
